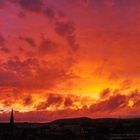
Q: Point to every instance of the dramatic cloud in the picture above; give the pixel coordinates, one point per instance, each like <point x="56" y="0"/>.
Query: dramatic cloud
<point x="68" y="58"/>
<point x="39" y="74"/>
<point x="112" y="104"/>
<point x="53" y="100"/>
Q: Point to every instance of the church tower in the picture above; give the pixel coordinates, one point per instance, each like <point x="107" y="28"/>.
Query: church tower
<point x="12" y="117"/>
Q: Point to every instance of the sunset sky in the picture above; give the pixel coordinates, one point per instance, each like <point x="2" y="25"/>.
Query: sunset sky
<point x="69" y="58"/>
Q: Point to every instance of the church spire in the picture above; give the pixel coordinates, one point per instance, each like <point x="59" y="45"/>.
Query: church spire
<point x="12" y="117"/>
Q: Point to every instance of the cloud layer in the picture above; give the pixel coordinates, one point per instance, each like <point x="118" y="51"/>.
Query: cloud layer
<point x="80" y="56"/>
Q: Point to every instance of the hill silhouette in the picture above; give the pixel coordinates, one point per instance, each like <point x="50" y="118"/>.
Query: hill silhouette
<point x="73" y="129"/>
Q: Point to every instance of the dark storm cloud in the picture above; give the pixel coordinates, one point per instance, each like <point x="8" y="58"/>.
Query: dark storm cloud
<point x="40" y="7"/>
<point x="116" y="101"/>
<point x="112" y="104"/>
<point x="65" y="29"/>
<point x="57" y="100"/>
<point x="54" y="100"/>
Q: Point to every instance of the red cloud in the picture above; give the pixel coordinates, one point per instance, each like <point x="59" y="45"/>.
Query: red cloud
<point x="32" y="5"/>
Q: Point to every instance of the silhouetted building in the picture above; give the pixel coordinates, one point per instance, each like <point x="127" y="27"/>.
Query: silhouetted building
<point x="12" y="117"/>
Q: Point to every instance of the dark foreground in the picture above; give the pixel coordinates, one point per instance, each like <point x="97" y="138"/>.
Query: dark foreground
<point x="74" y="129"/>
